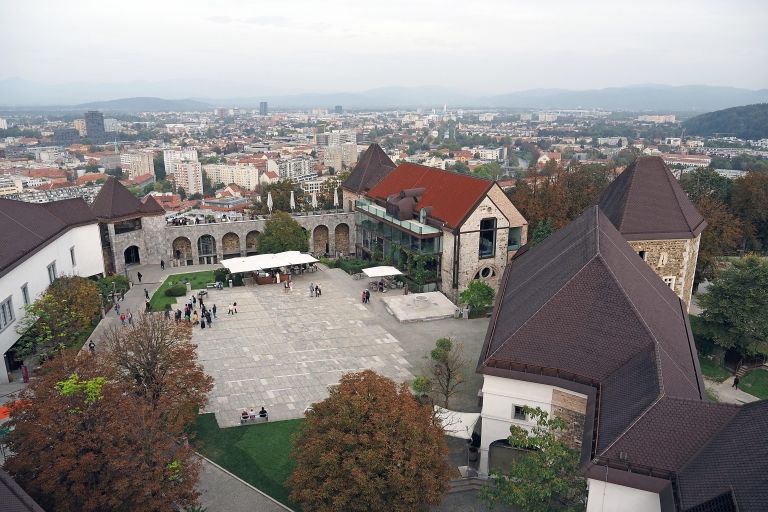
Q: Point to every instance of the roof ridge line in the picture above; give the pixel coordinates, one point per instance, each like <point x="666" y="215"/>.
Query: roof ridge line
<point x="574" y="276"/>
<point x="629" y="192"/>
<point x="668" y="175"/>
<point x="657" y="343"/>
<point x="634" y="422"/>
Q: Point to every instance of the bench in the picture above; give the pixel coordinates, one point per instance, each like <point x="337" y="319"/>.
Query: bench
<point x="254" y="419"/>
<point x="215" y="285"/>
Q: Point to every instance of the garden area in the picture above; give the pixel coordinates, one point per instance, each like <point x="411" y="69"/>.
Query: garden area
<point x="259" y="454"/>
<point x="755" y="383"/>
<point x="175" y="286"/>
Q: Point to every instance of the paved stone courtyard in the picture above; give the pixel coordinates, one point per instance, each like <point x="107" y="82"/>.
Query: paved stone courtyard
<point x="282" y="350"/>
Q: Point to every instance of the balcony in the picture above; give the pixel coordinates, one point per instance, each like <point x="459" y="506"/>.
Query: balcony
<point x="412" y="226"/>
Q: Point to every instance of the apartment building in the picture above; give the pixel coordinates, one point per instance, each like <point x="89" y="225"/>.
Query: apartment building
<point x="189" y="176"/>
<point x="137" y="163"/>
<point x="246" y="176"/>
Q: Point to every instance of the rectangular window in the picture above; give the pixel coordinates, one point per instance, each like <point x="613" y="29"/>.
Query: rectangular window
<point x="25" y="294"/>
<point x="515" y="235"/>
<point x="488" y="238"/>
<point x="669" y="281"/>
<point x="52" y="272"/>
<point x="72" y="255"/>
<point x="6" y="313"/>
<point x="519" y="413"/>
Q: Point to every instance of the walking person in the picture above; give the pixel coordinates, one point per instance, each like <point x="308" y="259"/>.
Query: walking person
<point x="117" y="309"/>
<point x="122" y="319"/>
<point x="130" y="317"/>
<point x="367" y="296"/>
<point x="162" y="265"/>
<point x="318" y="291"/>
<point x="208" y="318"/>
<point x="146" y="293"/>
<point x="234" y="307"/>
<point x="147" y="307"/>
<point x="213" y="310"/>
<point x="362" y="297"/>
<point x="139" y="276"/>
<point x="311" y="289"/>
<point x="736" y="382"/>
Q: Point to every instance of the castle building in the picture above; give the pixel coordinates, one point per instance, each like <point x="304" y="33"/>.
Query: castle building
<point x="654" y="215"/>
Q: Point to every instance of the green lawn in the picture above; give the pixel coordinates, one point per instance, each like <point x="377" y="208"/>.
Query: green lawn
<point x="198" y="280"/>
<point x="755" y="383"/>
<point x="259" y="454"/>
<point x="713" y="370"/>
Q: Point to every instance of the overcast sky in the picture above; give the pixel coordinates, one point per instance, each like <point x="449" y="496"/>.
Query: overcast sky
<point x="481" y="47"/>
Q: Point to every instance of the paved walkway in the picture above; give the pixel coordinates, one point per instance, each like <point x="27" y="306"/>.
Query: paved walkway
<point x="727" y="393"/>
<point x="151" y="279"/>
<point x="221" y="491"/>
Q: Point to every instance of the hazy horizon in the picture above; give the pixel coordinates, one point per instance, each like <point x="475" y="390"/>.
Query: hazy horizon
<point x="243" y="48"/>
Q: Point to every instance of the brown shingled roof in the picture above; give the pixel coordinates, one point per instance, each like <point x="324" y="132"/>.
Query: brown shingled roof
<point x="583" y="305"/>
<point x="373" y="166"/>
<point x="115" y="202"/>
<point x="645" y="202"/>
<point x="28" y="227"/>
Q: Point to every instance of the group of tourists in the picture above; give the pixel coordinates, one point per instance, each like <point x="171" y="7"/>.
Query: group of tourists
<point x="252" y="415"/>
<point x="203" y="319"/>
<point x="314" y="290"/>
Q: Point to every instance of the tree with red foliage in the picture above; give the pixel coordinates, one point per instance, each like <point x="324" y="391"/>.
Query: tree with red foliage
<point x="370" y="446"/>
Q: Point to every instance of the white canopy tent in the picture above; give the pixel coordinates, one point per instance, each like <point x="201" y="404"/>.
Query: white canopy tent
<point x="373" y="272"/>
<point x="457" y="424"/>
<point x="267" y="261"/>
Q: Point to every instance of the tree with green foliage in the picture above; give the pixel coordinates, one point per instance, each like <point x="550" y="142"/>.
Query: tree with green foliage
<point x="159" y="163"/>
<point x="722" y="236"/>
<point x="461" y="167"/>
<point x="706" y="182"/>
<point x="59" y="317"/>
<point x="545" y="476"/>
<point x="283" y="233"/>
<point x="447" y="368"/>
<point x="478" y="296"/>
<point x="369" y="446"/>
<point x="541" y="231"/>
<point x="489" y="171"/>
<point x="750" y="202"/>
<point x="735" y="305"/>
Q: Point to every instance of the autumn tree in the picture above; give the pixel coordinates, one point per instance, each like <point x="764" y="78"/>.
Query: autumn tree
<point x="63" y="314"/>
<point x="370" y="446"/>
<point x="545" y="476"/>
<point x="283" y="233"/>
<point x="750" y="202"/>
<point x="721" y="237"/>
<point x="155" y="355"/>
<point x="735" y="305"/>
<point x="83" y="440"/>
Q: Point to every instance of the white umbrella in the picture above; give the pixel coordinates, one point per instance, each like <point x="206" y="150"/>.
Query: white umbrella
<point x="314" y="200"/>
<point x="293" y="202"/>
<point x="336" y="197"/>
<point x="269" y="201"/>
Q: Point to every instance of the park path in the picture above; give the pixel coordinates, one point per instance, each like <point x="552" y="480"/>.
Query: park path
<point x="151" y="279"/>
<point x="727" y="393"/>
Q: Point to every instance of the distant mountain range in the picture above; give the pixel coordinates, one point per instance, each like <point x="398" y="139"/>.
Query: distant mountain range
<point x="18" y="94"/>
<point x="747" y="122"/>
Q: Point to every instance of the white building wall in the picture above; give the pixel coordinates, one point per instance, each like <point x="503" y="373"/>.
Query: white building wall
<point x="607" y="497"/>
<point x="500" y="396"/>
<point x="34" y="272"/>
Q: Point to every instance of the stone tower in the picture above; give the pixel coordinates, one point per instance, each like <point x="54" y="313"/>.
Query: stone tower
<point x="653" y="213"/>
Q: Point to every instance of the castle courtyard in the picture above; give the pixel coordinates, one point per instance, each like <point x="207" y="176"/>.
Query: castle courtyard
<point x="282" y="350"/>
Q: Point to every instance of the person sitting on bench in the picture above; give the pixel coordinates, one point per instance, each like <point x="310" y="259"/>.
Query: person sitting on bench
<point x="244" y="415"/>
<point x="263" y="413"/>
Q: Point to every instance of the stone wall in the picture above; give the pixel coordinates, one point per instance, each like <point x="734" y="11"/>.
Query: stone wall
<point x="572" y="409"/>
<point x="155" y="240"/>
<point x="672" y="259"/>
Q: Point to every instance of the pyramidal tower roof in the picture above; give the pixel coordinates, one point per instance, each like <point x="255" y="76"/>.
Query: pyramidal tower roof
<point x="645" y="202"/>
<point x="374" y="166"/>
<point x="115" y="202"/>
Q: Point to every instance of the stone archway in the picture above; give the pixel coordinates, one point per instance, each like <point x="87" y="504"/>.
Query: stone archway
<point x="230" y="245"/>
<point x="252" y="243"/>
<point x="320" y="240"/>
<point x="341" y="238"/>
<point x="131" y="255"/>
<point x="182" y="251"/>
<point x="206" y="250"/>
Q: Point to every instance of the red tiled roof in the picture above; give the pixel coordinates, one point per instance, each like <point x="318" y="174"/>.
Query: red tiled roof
<point x="451" y="195"/>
